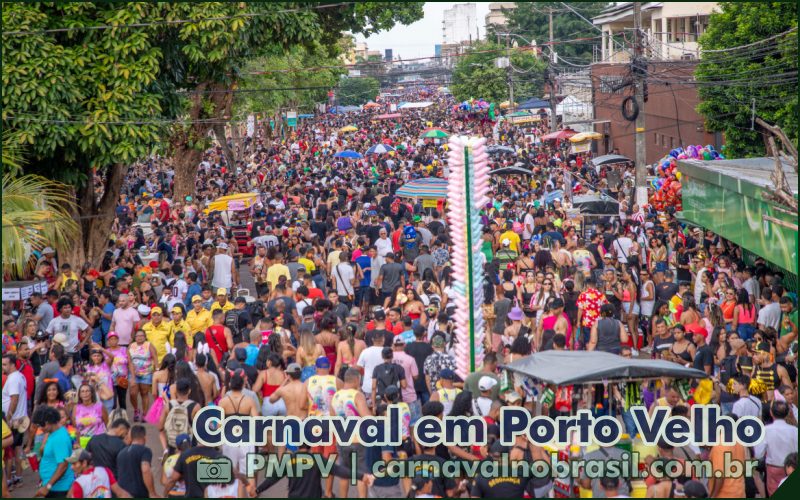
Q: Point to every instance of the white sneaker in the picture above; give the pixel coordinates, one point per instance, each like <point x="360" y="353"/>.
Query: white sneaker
<point x="634" y="353"/>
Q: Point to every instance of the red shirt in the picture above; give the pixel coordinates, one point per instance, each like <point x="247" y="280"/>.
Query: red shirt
<point x="315" y="293"/>
<point x="215" y="337"/>
<point x="30" y="381"/>
<point x="590" y="301"/>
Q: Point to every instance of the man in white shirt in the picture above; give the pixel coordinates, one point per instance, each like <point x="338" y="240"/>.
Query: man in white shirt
<point x="747" y="404"/>
<point x="344" y="277"/>
<point x="622" y="247"/>
<point x="383" y="243"/>
<point x="770" y="313"/>
<point x="73" y="327"/>
<point x="529" y="224"/>
<point x="368" y="359"/>
<point x="780" y="440"/>
<point x="15" y="394"/>
<point x="177" y="287"/>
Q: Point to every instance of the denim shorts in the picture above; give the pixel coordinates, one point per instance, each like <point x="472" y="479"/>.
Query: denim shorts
<point x="144" y="379"/>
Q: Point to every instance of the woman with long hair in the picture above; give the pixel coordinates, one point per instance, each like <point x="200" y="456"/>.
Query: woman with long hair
<point x="100" y="366"/>
<point x="728" y="307"/>
<point x="164" y="378"/>
<point x="141" y="363"/>
<point x="268" y="381"/>
<point x="89" y="415"/>
<point x="183" y="370"/>
<point x="690" y="315"/>
<point x="327" y="336"/>
<point x="744" y="316"/>
<point x="307" y="353"/>
<point x="348" y="349"/>
<point x="540" y="299"/>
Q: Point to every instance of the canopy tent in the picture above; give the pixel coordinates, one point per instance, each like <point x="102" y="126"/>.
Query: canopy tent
<point x="388" y="116"/>
<point x="414" y="105"/>
<point x="595" y="367"/>
<point x="429" y="187"/>
<point x="595" y="204"/>
<point x="573" y="106"/>
<point x="585" y="136"/>
<point x="498" y="150"/>
<point x="345" y="109"/>
<point x="515" y="170"/>
<point x="347" y="153"/>
<point x="372" y="105"/>
<point x="434" y="133"/>
<point x="609" y="159"/>
<point x="559" y="135"/>
<point x="233" y="202"/>
<point x="348" y="128"/>
<point x="534" y="103"/>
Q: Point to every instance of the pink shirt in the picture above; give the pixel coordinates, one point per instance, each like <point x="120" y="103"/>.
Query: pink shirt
<point x="410" y="367"/>
<point x="124" y="322"/>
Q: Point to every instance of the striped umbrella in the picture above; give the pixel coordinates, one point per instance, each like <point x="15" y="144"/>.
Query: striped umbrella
<point x="434" y="133"/>
<point x="430" y="188"/>
<point x="379" y="149"/>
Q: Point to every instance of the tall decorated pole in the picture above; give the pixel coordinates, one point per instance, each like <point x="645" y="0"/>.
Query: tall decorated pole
<point x="468" y="186"/>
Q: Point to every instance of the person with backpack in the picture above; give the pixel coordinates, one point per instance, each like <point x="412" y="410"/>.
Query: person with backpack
<point x="387" y="374"/>
<point x="180" y="414"/>
<point x="238" y="321"/>
<point x="218" y="336"/>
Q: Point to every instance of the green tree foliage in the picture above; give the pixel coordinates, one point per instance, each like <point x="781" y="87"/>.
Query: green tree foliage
<point x="764" y="71"/>
<point x="477" y="76"/>
<point x="357" y="91"/>
<point x="531" y="20"/>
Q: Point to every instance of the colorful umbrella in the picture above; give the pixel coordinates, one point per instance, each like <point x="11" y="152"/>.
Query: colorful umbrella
<point x="585" y="136"/>
<point x="348" y="128"/>
<point x="388" y="116"/>
<point x="348" y="154"/>
<point x="430" y="188"/>
<point x="434" y="133"/>
<point x="372" y="105"/>
<point x="559" y="135"/>
<point x="379" y="149"/>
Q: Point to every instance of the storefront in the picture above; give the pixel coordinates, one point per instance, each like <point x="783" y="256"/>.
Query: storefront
<point x="728" y="196"/>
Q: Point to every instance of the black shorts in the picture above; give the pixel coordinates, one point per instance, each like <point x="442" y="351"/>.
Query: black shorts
<point x="18" y="438"/>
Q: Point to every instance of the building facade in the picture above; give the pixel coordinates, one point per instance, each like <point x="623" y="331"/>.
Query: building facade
<point x="496" y="17"/>
<point x="460" y="24"/>
<point x="671" y="119"/>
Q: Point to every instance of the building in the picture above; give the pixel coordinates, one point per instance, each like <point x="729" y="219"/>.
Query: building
<point x="671" y="119"/>
<point x="437" y="50"/>
<point x="361" y="51"/>
<point x="460" y="24"/>
<point x="496" y="17"/>
<point x="671" y="29"/>
<point x="389" y="56"/>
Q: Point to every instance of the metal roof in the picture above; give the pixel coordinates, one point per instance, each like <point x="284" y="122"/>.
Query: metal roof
<point x="755" y="171"/>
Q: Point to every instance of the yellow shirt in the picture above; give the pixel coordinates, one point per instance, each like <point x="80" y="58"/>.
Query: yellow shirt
<point x="513" y="238"/>
<point x="308" y="264"/>
<point x="6" y="433"/>
<point x="158" y="336"/>
<point x="198" y="321"/>
<point x="274" y="272"/>
<point x="181" y="326"/>
<point x="227" y="307"/>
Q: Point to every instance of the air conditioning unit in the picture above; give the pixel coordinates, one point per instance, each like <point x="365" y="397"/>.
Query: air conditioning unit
<point x="687" y="57"/>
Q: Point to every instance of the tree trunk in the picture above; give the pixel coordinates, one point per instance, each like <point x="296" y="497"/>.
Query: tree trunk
<point x="188" y="143"/>
<point x="219" y="132"/>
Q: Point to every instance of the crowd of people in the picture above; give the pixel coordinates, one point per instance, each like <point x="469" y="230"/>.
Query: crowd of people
<point x="340" y="301"/>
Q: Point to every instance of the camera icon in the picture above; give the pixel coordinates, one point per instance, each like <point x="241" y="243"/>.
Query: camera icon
<point x="214" y="471"/>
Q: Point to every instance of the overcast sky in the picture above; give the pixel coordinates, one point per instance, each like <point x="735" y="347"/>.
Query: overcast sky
<point x="418" y="39"/>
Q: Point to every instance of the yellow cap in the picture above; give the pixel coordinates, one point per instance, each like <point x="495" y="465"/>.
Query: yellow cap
<point x="177" y="309"/>
<point x="197" y="298"/>
<point x="222" y="291"/>
<point x="156" y="310"/>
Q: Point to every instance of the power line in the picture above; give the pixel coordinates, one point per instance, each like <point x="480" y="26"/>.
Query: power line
<point x="170" y="23"/>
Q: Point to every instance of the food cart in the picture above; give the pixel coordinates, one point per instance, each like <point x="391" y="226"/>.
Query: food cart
<point x="237" y="213"/>
<point x="583" y="369"/>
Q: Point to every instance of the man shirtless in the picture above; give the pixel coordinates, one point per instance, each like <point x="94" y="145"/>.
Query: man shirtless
<point x="293" y="392"/>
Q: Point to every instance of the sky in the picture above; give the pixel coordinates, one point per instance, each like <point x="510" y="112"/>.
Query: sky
<point x="418" y="39"/>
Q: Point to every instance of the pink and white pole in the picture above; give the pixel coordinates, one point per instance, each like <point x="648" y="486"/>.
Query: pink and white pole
<point x="468" y="186"/>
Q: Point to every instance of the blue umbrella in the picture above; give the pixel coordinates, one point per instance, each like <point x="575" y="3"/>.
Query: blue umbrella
<point x="348" y="154"/>
<point x="379" y="149"/>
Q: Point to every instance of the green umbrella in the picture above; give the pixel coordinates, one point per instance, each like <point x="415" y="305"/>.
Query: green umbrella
<point x="434" y="133"/>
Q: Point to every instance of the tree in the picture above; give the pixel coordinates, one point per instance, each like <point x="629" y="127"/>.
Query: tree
<point x="477" y="76"/>
<point x="747" y="68"/>
<point x="531" y="20"/>
<point x="357" y="91"/>
<point x="89" y="102"/>
<point x="36" y="213"/>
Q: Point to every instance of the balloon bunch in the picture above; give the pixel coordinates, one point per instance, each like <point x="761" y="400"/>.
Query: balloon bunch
<point x="467" y="190"/>
<point x="472" y="105"/>
<point x="667" y="184"/>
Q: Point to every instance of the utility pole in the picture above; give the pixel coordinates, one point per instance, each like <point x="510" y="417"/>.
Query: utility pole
<point x="551" y="76"/>
<point x="639" y="66"/>
<point x="509" y="75"/>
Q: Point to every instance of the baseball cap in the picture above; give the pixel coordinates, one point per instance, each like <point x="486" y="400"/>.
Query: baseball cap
<point x="222" y="245"/>
<point x="180" y="439"/>
<point x="112" y="334"/>
<point x="143" y="309"/>
<point x="197" y="298"/>
<point x="48" y="250"/>
<point x="398" y="341"/>
<point x="379" y="314"/>
<point x="79" y="455"/>
<point x="323" y="362"/>
<point x="60" y="338"/>
<point x="447" y="374"/>
<point x="486" y="383"/>
<point x="222" y="291"/>
<point x="156" y="310"/>
<point x="177" y="309"/>
<point x="240" y="300"/>
<point x="293" y="368"/>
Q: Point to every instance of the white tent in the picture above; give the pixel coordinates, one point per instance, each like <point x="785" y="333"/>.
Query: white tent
<point x="571" y="109"/>
<point x="415" y="105"/>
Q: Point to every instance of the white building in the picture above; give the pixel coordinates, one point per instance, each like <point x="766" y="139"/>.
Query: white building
<point x="496" y="16"/>
<point x="460" y="24"/>
<point x="671" y="29"/>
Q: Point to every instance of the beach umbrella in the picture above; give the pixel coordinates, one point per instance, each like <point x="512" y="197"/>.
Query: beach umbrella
<point x="434" y="133"/>
<point x="348" y="128"/>
<point x="585" y="136"/>
<point x="428" y="188"/>
<point x="559" y="135"/>
<point x="348" y="154"/>
<point x="498" y="150"/>
<point x="372" y="105"/>
<point x="379" y="149"/>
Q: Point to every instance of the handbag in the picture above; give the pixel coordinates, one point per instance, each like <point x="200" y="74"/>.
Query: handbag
<point x="121" y="382"/>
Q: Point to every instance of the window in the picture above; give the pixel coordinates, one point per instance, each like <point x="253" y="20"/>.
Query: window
<point x="671" y="143"/>
<point x="655" y="138"/>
